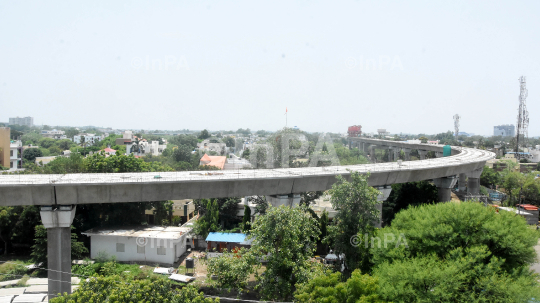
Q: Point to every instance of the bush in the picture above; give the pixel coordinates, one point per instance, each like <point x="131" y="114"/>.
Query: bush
<point x="119" y="289"/>
<point x="232" y="269"/>
<point x="329" y="288"/>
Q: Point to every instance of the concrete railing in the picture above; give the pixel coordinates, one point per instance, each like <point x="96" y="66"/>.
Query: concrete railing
<point x="158" y="186"/>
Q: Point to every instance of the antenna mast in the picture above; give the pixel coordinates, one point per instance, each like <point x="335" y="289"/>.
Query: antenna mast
<point x="523" y="116"/>
<point x="456" y="124"/>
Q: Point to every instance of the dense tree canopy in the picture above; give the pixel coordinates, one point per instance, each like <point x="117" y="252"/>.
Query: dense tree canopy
<point x="408" y="194"/>
<point x="455" y="253"/>
<point x="355" y="202"/>
<point x="286" y="238"/>
<point x="30" y="154"/>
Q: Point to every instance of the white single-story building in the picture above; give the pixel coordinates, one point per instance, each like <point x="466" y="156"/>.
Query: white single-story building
<point x="153" y="244"/>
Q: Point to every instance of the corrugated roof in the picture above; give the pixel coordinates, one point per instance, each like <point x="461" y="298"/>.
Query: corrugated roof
<point x="528" y="206"/>
<point x="226" y="237"/>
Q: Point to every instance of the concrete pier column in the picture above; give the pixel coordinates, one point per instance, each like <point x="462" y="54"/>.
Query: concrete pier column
<point x="438" y="154"/>
<point x="473" y="181"/>
<point x="397" y="151"/>
<point x="445" y="185"/>
<point x="57" y="220"/>
<point x="290" y="200"/>
<point x="422" y="154"/>
<point x="462" y="185"/>
<point x="372" y="152"/>
<point x="385" y="193"/>
<point x="391" y="154"/>
<point x="407" y="152"/>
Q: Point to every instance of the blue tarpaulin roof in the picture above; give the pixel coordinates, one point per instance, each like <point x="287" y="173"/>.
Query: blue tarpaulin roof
<point x="226" y="237"/>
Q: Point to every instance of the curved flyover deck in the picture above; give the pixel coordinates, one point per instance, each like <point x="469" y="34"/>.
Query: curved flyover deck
<point x="158" y="186"/>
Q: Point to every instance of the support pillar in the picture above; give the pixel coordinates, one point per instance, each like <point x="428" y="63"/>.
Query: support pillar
<point x="391" y="154"/>
<point x="407" y="152"/>
<point x="372" y="152"/>
<point x="473" y="181"/>
<point x="385" y="193"/>
<point x="397" y="151"/>
<point x="57" y="220"/>
<point x="438" y="154"/>
<point x="422" y="154"/>
<point x="445" y="185"/>
<point x="462" y="185"/>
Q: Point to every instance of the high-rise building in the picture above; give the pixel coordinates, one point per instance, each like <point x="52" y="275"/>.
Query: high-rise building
<point x="5" y="133"/>
<point x="28" y="121"/>
<point x="507" y="130"/>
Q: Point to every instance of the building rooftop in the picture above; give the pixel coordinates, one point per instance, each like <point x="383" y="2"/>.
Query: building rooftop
<point x="217" y="161"/>
<point x="226" y="237"/>
<point x="161" y="232"/>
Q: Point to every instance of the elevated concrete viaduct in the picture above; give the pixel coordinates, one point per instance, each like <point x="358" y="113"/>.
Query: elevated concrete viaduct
<point x="59" y="194"/>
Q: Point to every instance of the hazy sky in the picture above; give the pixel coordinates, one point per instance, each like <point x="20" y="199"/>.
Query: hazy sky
<point x="407" y="66"/>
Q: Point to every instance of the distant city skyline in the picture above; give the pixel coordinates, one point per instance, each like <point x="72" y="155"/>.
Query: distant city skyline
<point x="408" y="67"/>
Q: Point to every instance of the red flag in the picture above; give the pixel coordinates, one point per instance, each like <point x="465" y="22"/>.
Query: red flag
<point x="285" y="109"/>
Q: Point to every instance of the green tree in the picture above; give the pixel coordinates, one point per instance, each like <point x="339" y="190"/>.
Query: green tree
<point x="232" y="268"/>
<point x="408" y="194"/>
<point x="209" y="221"/>
<point x="121" y="289"/>
<point x="285" y="238"/>
<point x="47" y="142"/>
<point x="39" y="249"/>
<point x="246" y="221"/>
<point x="355" y="202"/>
<point x="329" y="288"/>
<point x="469" y="274"/>
<point x="71" y="132"/>
<point x="246" y="153"/>
<point x="204" y="134"/>
<point x="229" y="141"/>
<point x="443" y="227"/>
<point x="323" y="225"/>
<point x="182" y="153"/>
<point x="307" y="198"/>
<point x="512" y="182"/>
<point x="489" y="177"/>
<point x="30" y="154"/>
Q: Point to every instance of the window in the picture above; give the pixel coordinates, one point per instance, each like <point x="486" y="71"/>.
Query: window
<point x="10" y="164"/>
<point x="120" y="247"/>
<point x="11" y="153"/>
<point x="140" y="249"/>
<point x="161" y="251"/>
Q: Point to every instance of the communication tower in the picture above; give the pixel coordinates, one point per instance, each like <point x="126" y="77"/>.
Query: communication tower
<point x="456" y="124"/>
<point x="523" y="117"/>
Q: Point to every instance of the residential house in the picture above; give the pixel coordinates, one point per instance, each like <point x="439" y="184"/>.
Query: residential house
<point x="15" y="155"/>
<point x="217" y="161"/>
<point x="207" y="146"/>
<point x="217" y="242"/>
<point x="185" y="209"/>
<point x="5" y="146"/>
<point x="143" y="244"/>
<point x="89" y="139"/>
<point x="234" y="162"/>
<point x="54" y="134"/>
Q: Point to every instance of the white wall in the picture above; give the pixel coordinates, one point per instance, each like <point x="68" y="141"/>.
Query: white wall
<point x="173" y="249"/>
